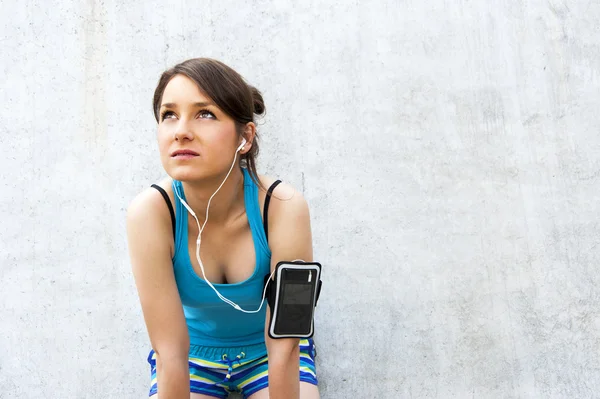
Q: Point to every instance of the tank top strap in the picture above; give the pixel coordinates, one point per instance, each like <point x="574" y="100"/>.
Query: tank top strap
<point x="180" y="218"/>
<point x="253" y="214"/>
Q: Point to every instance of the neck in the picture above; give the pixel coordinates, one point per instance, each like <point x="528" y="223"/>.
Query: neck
<point x="225" y="204"/>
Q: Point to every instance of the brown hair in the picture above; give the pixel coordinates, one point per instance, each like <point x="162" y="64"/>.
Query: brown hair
<point x="228" y="90"/>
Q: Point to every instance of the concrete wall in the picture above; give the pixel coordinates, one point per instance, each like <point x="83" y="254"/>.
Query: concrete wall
<point x="449" y="151"/>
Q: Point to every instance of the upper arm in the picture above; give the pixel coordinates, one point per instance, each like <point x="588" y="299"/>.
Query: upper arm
<point x="149" y="235"/>
<point x="290" y="238"/>
<point x="290" y="234"/>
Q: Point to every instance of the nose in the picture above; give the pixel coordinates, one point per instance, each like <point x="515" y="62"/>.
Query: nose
<point x="182" y="131"/>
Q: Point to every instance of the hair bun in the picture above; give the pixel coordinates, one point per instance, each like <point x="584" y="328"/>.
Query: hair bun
<point x="257" y="100"/>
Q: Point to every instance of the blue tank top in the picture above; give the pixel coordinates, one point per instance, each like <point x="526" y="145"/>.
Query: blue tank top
<point x="210" y="321"/>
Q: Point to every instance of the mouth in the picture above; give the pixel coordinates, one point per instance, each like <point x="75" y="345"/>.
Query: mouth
<point x="184" y="154"/>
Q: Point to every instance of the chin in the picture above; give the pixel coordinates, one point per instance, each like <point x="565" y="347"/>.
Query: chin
<point x="185" y="173"/>
<point x="193" y="173"/>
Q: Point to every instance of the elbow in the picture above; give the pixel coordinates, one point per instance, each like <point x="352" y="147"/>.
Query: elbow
<point x="172" y="365"/>
<point x="284" y="352"/>
<point x="172" y="356"/>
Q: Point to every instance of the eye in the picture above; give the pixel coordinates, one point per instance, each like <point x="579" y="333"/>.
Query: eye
<point x="206" y="114"/>
<point x="167" y="115"/>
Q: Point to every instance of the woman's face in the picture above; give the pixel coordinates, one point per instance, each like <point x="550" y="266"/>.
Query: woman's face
<point x="196" y="139"/>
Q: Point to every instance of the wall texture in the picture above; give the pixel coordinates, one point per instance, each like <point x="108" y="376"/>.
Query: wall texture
<point x="449" y="151"/>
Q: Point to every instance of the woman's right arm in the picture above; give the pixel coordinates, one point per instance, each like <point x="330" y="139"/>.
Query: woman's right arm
<point x="149" y="232"/>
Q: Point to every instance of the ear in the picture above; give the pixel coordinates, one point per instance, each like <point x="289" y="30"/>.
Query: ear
<point x="249" y="134"/>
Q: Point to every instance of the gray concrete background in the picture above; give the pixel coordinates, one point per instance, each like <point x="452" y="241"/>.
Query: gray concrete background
<point x="449" y="152"/>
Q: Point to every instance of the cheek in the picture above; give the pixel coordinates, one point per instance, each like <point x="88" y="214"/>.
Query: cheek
<point x="230" y="133"/>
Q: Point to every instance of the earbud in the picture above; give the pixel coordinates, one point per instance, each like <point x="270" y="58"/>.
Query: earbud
<point x="241" y="145"/>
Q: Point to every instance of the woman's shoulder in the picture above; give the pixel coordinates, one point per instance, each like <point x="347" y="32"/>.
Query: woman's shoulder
<point x="282" y="188"/>
<point x="149" y="205"/>
<point x="289" y="223"/>
<point x="286" y="200"/>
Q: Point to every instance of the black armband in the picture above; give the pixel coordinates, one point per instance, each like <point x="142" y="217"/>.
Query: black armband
<point x="292" y="295"/>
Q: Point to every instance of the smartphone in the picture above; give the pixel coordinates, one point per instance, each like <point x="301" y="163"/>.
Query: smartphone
<point x="296" y="287"/>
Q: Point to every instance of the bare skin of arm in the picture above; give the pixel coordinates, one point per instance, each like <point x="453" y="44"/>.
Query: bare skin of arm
<point x="149" y="233"/>
<point x="290" y="238"/>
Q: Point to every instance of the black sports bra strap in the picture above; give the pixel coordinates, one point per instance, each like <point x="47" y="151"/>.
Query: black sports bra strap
<point x="168" y="201"/>
<point x="266" y="208"/>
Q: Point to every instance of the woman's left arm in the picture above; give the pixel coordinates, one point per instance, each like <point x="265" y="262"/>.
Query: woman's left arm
<point x="290" y="238"/>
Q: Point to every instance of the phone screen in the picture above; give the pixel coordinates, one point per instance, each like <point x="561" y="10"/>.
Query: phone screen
<point x="295" y="310"/>
<point x="297" y="294"/>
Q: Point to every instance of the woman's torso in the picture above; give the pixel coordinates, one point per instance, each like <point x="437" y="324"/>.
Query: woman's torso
<point x="239" y="253"/>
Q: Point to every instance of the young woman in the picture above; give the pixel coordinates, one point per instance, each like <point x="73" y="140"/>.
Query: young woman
<point x="214" y="220"/>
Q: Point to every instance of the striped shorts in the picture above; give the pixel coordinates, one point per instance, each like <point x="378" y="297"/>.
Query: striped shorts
<point x="236" y="372"/>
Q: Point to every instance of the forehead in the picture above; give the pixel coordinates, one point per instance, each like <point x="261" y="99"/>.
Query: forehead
<point x="181" y="90"/>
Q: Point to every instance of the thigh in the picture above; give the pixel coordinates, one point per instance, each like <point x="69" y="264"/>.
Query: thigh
<point x="307" y="391"/>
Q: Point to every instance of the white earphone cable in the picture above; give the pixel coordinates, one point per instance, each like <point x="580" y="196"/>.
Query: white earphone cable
<point x="199" y="240"/>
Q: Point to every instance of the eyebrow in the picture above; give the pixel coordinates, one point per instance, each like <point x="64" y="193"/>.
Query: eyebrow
<point x="200" y="104"/>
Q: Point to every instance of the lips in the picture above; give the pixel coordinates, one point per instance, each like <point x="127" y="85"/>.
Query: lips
<point x="184" y="153"/>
